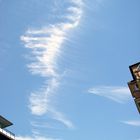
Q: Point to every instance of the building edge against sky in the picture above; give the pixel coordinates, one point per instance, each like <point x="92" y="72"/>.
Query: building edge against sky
<point x="4" y="133"/>
<point x="134" y="85"/>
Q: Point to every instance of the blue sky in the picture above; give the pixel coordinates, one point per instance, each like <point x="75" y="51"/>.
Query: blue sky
<point x="64" y="68"/>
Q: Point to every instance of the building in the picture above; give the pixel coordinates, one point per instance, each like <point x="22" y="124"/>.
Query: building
<point x="134" y="85"/>
<point x="4" y="133"/>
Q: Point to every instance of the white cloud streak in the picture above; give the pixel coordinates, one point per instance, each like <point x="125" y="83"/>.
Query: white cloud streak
<point x="57" y="116"/>
<point x="62" y="118"/>
<point x="40" y="100"/>
<point x="116" y="93"/>
<point x="33" y="138"/>
<point x="46" y="44"/>
<point x="132" y="122"/>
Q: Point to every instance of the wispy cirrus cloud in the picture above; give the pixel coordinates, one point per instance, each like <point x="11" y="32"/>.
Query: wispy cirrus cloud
<point x="132" y="122"/>
<point x="46" y="45"/>
<point x="34" y="138"/>
<point x="40" y="100"/>
<point x="62" y="118"/>
<point x="116" y="93"/>
<point x="58" y="117"/>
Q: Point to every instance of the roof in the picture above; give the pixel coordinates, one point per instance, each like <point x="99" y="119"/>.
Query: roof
<point x="4" y="122"/>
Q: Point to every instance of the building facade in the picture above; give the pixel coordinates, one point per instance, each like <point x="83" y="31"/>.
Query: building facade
<point x="134" y="85"/>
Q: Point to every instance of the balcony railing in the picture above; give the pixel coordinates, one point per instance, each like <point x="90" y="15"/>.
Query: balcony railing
<point x="8" y="133"/>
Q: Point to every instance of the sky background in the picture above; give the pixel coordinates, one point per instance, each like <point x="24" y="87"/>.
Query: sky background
<point x="64" y="68"/>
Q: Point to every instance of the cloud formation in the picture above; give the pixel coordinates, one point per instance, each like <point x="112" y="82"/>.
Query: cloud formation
<point x="132" y="122"/>
<point x="34" y="138"/>
<point x="46" y="45"/>
<point x="62" y="118"/>
<point x="40" y="100"/>
<point x="116" y="93"/>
